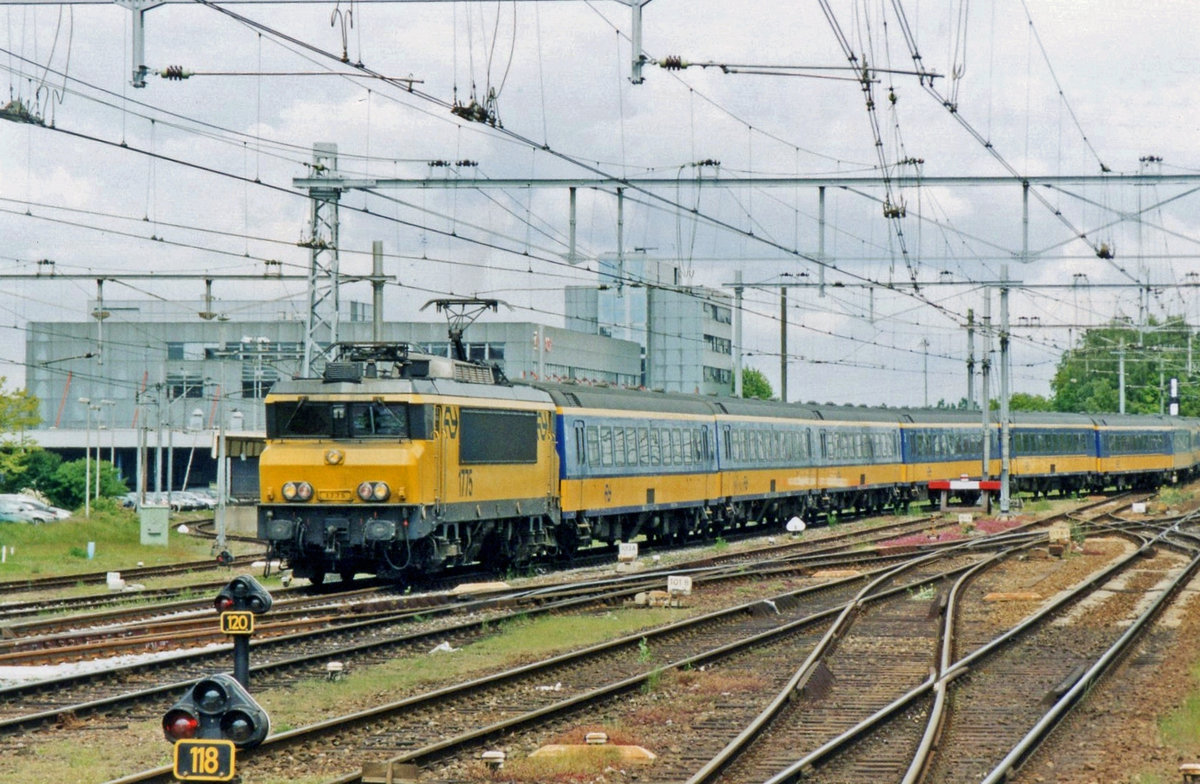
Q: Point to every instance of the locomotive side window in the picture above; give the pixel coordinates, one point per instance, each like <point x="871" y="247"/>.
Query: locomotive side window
<point x="494" y="436"/>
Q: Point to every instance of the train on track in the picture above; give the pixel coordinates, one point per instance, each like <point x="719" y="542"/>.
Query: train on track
<point x="399" y="463"/>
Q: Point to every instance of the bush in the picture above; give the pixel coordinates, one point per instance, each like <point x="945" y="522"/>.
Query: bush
<point x="65" y="486"/>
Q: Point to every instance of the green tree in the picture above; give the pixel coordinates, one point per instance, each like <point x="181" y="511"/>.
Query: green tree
<point x="18" y="414"/>
<point x="28" y="467"/>
<point x="65" y="486"/>
<point x="755" y="385"/>
<point x="1088" y="375"/>
<point x="1023" y="401"/>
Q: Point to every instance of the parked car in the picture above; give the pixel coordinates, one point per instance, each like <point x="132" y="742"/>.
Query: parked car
<point x="18" y="512"/>
<point x="55" y="512"/>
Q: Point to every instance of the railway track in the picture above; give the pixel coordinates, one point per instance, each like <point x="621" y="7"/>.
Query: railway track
<point x="303" y="655"/>
<point x="984" y="712"/>
<point x="815" y="557"/>
<point x="182" y="623"/>
<point x="486" y="707"/>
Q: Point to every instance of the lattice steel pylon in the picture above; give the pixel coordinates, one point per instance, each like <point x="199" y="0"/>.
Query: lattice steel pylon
<point x="324" y="303"/>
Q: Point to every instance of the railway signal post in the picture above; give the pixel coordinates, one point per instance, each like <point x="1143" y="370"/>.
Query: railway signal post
<point x="215" y="717"/>
<point x="238" y="603"/>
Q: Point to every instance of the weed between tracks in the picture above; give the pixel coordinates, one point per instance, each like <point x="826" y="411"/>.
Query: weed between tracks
<point x="1181" y="727"/>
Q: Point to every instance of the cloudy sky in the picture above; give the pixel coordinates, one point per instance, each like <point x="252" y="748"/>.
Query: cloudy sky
<point x="195" y="176"/>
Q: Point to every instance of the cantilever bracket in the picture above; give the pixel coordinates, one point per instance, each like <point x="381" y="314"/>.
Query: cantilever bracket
<point x="138" y="8"/>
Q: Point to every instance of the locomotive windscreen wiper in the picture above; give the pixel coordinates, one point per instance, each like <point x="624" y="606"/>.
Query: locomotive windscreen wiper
<point x="287" y="426"/>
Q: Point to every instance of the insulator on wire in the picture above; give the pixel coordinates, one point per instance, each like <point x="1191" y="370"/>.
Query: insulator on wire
<point x="174" y="73"/>
<point x="673" y="62"/>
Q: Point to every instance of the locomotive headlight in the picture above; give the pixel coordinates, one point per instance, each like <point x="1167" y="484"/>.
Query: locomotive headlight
<point x="374" y="491"/>
<point x="297" y="491"/>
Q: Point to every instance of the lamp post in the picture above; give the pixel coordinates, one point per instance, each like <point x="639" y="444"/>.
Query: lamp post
<point x="100" y="426"/>
<point x="925" y="348"/>
<point x="112" y="435"/>
<point x="87" y="452"/>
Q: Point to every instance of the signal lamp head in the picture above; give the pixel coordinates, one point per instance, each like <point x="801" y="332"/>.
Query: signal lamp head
<point x="238" y="726"/>
<point x="223" y="603"/>
<point x="179" y="724"/>
<point x="210" y="696"/>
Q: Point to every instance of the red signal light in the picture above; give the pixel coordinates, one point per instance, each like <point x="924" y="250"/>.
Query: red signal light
<point x="179" y="725"/>
<point x="223" y="603"/>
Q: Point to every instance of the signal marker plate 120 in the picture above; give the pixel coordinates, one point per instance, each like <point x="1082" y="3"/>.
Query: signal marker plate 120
<point x="237" y="622"/>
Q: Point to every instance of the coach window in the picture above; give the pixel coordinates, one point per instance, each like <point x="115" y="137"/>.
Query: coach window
<point x="643" y="446"/>
<point x="655" y="456"/>
<point x="676" y="447"/>
<point x="580" y="444"/>
<point x="593" y="445"/>
<point x="631" y="446"/>
<point x="618" y="446"/>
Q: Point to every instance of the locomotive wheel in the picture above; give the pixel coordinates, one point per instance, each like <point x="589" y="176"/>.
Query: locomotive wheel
<point x="495" y="555"/>
<point x="313" y="572"/>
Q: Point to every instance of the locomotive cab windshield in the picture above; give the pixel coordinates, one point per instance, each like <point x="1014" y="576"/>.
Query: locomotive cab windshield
<point x="306" y="418"/>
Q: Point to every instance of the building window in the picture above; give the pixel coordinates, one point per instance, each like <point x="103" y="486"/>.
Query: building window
<point x="719" y="345"/>
<point x="718" y="375"/>
<point x="184" y="385"/>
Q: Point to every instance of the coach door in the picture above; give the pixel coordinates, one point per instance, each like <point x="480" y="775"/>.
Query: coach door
<point x="577" y="468"/>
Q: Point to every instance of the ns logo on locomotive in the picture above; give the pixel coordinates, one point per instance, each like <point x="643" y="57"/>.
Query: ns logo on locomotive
<point x="395" y="462"/>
